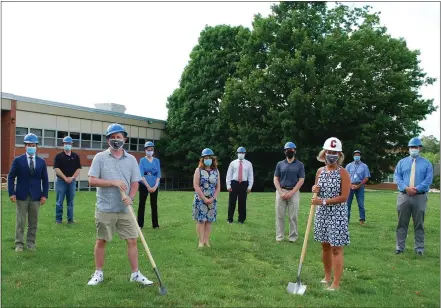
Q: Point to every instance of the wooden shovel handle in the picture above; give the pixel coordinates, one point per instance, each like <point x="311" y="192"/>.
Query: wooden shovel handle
<point x="144" y="243"/>
<point x="308" y="227"/>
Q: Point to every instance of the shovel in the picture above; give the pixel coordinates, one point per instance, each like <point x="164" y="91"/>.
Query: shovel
<point x="162" y="288"/>
<point x="297" y="287"/>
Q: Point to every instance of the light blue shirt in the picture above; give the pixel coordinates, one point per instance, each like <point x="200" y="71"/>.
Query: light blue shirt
<point x="423" y="173"/>
<point x="358" y="171"/>
<point x="150" y="170"/>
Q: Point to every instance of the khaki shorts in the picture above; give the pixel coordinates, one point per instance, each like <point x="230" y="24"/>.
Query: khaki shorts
<point x="108" y="223"/>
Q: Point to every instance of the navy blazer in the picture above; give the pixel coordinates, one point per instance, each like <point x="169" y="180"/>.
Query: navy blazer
<point x="27" y="183"/>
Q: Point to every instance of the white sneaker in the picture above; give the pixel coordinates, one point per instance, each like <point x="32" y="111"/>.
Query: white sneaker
<point x="97" y="277"/>
<point x="138" y="277"/>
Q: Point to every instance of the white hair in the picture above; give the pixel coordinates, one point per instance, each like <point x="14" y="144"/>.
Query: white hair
<point x="321" y="157"/>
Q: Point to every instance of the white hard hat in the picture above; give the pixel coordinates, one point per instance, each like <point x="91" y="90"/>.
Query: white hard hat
<point x="333" y="144"/>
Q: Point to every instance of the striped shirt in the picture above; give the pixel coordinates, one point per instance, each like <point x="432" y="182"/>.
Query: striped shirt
<point x="105" y="166"/>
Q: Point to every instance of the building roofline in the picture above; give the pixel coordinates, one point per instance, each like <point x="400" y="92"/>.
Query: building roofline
<point x="76" y="107"/>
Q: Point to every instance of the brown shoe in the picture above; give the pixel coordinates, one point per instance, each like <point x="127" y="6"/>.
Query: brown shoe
<point x="361" y="222"/>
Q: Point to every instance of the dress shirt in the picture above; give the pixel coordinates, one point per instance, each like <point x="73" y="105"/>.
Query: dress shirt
<point x="423" y="173"/>
<point x="33" y="158"/>
<point x="247" y="174"/>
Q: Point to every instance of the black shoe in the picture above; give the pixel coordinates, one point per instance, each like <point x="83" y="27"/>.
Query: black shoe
<point x="419" y="253"/>
<point x="241" y="222"/>
<point x="229" y="221"/>
<point x="397" y="252"/>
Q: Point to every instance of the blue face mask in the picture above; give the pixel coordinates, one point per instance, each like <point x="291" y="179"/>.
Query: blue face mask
<point x="357" y="158"/>
<point x="414" y="152"/>
<point x="68" y="147"/>
<point x="207" y="162"/>
<point x="31" y="150"/>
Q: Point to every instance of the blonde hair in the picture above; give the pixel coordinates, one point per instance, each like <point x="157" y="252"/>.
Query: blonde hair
<point x="321" y="157"/>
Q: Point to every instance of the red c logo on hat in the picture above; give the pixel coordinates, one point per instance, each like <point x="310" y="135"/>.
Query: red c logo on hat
<point x="333" y="143"/>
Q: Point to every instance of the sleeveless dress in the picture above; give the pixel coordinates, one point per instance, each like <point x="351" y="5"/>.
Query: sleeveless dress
<point x="331" y="222"/>
<point x="207" y="183"/>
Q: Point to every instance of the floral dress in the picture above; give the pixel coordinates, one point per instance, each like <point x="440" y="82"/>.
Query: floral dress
<point x="331" y="222"/>
<point x="207" y="183"/>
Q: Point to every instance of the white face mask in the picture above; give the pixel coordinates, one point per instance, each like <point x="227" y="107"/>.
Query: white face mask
<point x="241" y="156"/>
<point x="414" y="152"/>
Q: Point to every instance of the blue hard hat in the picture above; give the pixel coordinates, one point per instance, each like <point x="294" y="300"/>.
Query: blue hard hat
<point x="415" y="142"/>
<point x="148" y="144"/>
<point x="67" y="139"/>
<point x="115" y="128"/>
<point x="207" y="152"/>
<point x="31" y="138"/>
<point x="241" y="150"/>
<point x="289" y="145"/>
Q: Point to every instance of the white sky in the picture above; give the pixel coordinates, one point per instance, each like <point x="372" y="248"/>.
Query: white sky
<point x="134" y="53"/>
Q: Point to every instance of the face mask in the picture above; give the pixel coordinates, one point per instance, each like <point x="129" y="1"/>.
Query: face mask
<point x="68" y="147"/>
<point x="241" y="156"/>
<point x="414" y="152"/>
<point x="31" y="150"/>
<point x="357" y="158"/>
<point x="290" y="154"/>
<point x="331" y="159"/>
<point x="116" y="144"/>
<point x="207" y="162"/>
<point x="149" y="153"/>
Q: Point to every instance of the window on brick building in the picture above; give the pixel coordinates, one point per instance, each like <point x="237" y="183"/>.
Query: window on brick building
<point x="86" y="141"/>
<point x="75" y="139"/>
<point x="60" y="136"/>
<point x="49" y="138"/>
<point x="141" y="143"/>
<point x="20" y="133"/>
<point x="96" y="141"/>
<point x="133" y="144"/>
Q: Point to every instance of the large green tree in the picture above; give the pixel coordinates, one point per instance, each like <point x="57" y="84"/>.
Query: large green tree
<point x="308" y="72"/>
<point x="431" y="149"/>
<point x="194" y="121"/>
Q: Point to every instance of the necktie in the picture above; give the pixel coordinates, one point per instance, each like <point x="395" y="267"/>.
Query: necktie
<point x="412" y="174"/>
<point x="240" y="172"/>
<point x="31" y="165"/>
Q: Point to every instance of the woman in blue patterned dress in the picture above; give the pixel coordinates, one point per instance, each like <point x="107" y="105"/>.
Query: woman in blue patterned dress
<point x="332" y="183"/>
<point x="207" y="187"/>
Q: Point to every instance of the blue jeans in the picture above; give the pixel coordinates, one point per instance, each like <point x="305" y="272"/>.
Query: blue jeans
<point x="63" y="190"/>
<point x="359" y="193"/>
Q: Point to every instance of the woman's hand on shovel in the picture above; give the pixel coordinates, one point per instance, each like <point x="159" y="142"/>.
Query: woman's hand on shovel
<point x="315" y="189"/>
<point x="316" y="201"/>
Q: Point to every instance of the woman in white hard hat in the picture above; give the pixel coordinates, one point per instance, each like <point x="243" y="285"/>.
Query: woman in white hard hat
<point x="332" y="183"/>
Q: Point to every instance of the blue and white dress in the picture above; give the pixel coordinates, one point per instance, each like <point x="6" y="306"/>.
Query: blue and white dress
<point x="331" y="222"/>
<point x="207" y="183"/>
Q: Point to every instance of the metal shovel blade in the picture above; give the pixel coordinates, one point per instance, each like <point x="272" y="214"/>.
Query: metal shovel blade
<point x="162" y="291"/>
<point x="296" y="288"/>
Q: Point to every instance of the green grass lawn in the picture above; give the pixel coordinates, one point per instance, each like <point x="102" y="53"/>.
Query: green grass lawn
<point x="244" y="266"/>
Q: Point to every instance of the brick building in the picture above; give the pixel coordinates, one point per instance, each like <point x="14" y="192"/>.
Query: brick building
<point x="52" y="121"/>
